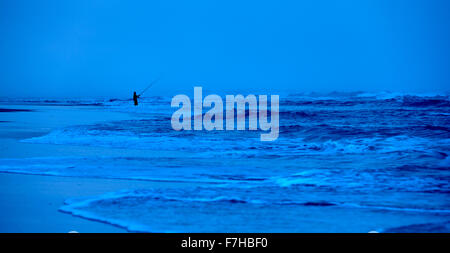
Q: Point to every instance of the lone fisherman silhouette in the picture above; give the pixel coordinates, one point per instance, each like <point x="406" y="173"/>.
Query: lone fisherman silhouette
<point x="135" y="98"/>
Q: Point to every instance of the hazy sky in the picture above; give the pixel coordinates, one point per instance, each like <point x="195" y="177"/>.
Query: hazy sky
<point x="110" y="48"/>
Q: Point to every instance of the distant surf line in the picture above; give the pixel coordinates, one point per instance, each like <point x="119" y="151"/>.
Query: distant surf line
<point x="213" y="119"/>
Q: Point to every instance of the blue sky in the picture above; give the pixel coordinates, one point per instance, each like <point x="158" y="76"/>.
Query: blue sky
<point x="110" y="48"/>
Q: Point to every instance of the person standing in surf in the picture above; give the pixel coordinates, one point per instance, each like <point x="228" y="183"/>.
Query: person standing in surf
<point x="135" y="98"/>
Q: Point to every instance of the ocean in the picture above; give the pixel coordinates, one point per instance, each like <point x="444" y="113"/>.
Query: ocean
<point x="343" y="162"/>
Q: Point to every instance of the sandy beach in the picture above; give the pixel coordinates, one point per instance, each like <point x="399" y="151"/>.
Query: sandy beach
<point x="30" y="203"/>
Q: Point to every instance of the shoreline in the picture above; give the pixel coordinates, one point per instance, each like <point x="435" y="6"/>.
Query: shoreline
<point x="30" y="203"/>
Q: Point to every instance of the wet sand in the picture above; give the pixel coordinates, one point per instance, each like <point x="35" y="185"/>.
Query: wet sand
<point x="30" y="203"/>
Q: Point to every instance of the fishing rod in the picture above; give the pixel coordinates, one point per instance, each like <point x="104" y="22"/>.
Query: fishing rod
<point x="150" y="85"/>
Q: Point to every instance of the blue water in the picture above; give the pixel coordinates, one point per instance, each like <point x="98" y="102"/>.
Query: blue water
<point x="343" y="162"/>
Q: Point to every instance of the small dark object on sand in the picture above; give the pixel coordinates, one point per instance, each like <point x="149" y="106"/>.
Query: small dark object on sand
<point x="14" y="110"/>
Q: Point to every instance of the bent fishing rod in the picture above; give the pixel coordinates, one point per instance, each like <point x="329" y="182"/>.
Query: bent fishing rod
<point x="150" y="85"/>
